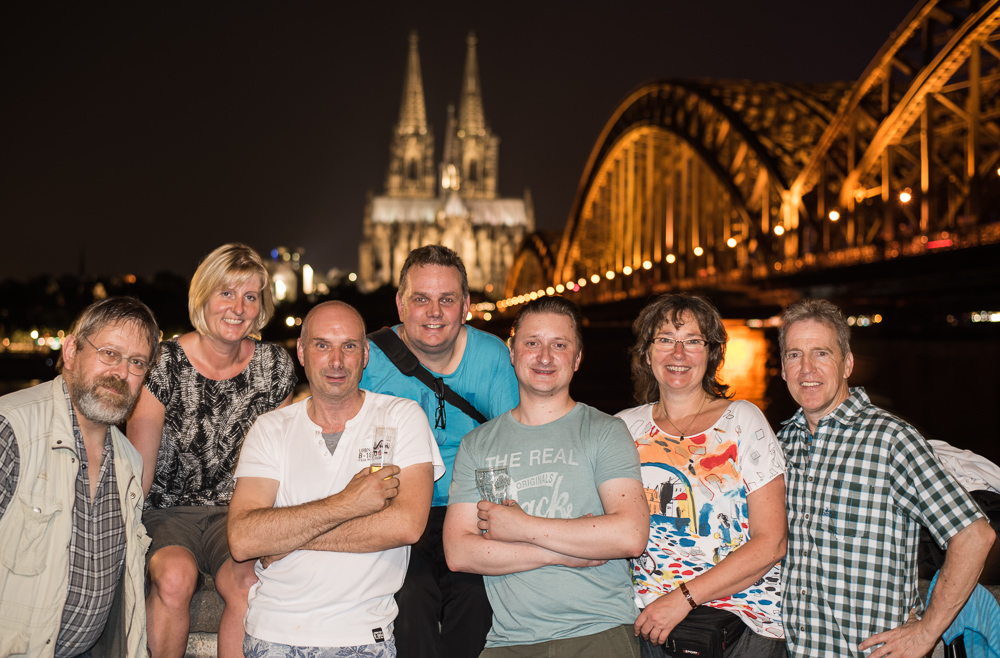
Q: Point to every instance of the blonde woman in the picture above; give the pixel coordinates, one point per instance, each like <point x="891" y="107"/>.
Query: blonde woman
<point x="193" y="414"/>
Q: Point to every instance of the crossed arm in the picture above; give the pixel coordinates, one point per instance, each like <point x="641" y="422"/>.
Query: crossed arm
<point x="516" y="542"/>
<point x="372" y="513"/>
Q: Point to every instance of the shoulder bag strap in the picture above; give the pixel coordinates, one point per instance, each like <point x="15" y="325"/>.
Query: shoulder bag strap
<point x="408" y="364"/>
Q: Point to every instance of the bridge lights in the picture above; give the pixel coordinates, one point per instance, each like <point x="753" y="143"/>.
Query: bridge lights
<point x="671" y="258"/>
<point x="779" y="230"/>
<point x="560" y="288"/>
<point x="596" y="278"/>
<point x="551" y="291"/>
<point x="569" y="284"/>
<point x="583" y="281"/>
<point x="698" y="251"/>
<point x="626" y="270"/>
<point x="610" y="274"/>
<point x="905" y="196"/>
<point x="731" y="242"/>
<point x="646" y="265"/>
<point x="834" y="215"/>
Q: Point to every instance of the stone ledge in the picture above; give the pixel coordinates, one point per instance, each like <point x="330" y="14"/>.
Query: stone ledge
<point x="206" y="612"/>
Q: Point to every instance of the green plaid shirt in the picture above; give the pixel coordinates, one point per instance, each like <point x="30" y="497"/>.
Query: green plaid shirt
<point x="858" y="492"/>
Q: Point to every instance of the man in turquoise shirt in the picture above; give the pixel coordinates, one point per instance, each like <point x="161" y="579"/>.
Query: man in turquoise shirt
<point x="433" y="301"/>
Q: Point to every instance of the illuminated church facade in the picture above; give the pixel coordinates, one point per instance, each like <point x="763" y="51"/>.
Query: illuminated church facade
<point x="453" y="201"/>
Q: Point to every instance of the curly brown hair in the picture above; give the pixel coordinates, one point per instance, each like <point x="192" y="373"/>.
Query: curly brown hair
<point x="670" y="308"/>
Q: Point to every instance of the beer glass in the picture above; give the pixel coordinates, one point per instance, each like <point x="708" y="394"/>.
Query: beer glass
<point x="493" y="484"/>
<point x="383" y="442"/>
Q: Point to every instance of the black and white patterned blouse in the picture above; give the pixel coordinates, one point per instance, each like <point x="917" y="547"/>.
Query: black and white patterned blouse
<point x="206" y="421"/>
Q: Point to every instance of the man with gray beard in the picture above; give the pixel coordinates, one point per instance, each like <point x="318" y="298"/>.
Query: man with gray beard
<point x="72" y="542"/>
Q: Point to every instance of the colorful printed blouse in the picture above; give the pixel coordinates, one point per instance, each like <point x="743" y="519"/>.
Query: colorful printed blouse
<point x="697" y="493"/>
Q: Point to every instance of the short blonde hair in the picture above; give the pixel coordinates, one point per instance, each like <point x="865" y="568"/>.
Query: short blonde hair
<point x="231" y="264"/>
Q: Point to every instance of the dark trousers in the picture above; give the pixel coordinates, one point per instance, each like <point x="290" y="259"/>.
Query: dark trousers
<point x="433" y="597"/>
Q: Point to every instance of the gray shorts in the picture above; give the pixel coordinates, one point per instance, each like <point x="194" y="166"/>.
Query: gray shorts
<point x="617" y="642"/>
<point x="201" y="530"/>
<point x="263" y="649"/>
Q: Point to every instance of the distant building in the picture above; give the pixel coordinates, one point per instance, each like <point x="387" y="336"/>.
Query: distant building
<point x="455" y="203"/>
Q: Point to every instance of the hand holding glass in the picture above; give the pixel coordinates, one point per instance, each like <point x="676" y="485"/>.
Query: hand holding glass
<point x="383" y="442"/>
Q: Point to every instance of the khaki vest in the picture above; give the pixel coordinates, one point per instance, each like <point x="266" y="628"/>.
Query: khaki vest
<point x="35" y="531"/>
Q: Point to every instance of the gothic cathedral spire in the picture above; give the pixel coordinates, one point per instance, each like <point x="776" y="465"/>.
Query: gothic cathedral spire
<point x="461" y="209"/>
<point x="470" y="112"/>
<point x="473" y="148"/>
<point x="411" y="153"/>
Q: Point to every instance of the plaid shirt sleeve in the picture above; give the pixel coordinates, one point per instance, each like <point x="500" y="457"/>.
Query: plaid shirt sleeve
<point x="925" y="491"/>
<point x="9" y="464"/>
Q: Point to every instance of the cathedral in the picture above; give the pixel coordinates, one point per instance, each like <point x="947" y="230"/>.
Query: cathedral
<point x="453" y="202"/>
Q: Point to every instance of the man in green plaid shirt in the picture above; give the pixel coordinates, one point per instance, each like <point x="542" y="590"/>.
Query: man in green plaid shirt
<point x="860" y="483"/>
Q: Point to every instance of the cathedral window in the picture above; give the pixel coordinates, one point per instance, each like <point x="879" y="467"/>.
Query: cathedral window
<point x="473" y="171"/>
<point x="411" y="170"/>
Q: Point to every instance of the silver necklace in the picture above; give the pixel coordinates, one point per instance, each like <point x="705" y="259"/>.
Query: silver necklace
<point x="663" y="405"/>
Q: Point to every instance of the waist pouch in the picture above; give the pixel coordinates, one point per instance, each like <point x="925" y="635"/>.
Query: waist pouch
<point x="705" y="632"/>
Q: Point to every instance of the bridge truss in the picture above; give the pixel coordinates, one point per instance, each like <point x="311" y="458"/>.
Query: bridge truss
<point x="727" y="183"/>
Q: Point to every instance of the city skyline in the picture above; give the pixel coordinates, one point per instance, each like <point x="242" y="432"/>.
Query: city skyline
<point x="145" y="137"/>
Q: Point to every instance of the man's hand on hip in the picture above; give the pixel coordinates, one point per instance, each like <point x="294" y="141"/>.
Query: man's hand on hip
<point x="907" y="641"/>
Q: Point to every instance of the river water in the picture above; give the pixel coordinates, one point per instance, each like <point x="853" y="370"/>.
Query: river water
<point x="944" y="381"/>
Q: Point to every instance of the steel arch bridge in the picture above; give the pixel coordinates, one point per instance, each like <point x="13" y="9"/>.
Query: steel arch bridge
<point x="726" y="184"/>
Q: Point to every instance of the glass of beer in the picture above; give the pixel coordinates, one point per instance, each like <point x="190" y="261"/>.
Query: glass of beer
<point x="383" y="442"/>
<point x="493" y="484"/>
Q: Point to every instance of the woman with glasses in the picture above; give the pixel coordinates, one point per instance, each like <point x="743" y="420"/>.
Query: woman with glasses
<point x="207" y="389"/>
<point x="713" y="473"/>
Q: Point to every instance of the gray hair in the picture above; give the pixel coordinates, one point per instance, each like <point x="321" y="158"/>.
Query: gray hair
<point x="817" y="310"/>
<point x="118" y="311"/>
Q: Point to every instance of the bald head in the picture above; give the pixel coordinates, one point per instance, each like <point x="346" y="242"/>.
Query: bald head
<point x="333" y="351"/>
<point x="329" y="307"/>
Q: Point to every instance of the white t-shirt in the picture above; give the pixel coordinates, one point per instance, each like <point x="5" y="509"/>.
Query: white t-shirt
<point x="323" y="598"/>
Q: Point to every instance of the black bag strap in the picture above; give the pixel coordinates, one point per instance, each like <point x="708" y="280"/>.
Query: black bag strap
<point x="401" y="356"/>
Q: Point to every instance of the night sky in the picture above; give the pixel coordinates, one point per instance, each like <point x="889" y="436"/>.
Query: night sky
<point x="143" y="135"/>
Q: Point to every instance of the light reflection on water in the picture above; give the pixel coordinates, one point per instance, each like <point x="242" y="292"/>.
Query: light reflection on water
<point x="745" y="369"/>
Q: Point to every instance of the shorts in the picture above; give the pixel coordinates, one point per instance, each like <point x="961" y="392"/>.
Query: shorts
<point x="263" y="649"/>
<point x="199" y="529"/>
<point x="617" y="642"/>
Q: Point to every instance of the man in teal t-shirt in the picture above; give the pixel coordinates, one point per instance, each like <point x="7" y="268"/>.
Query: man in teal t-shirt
<point x="442" y="614"/>
<point x="553" y="556"/>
